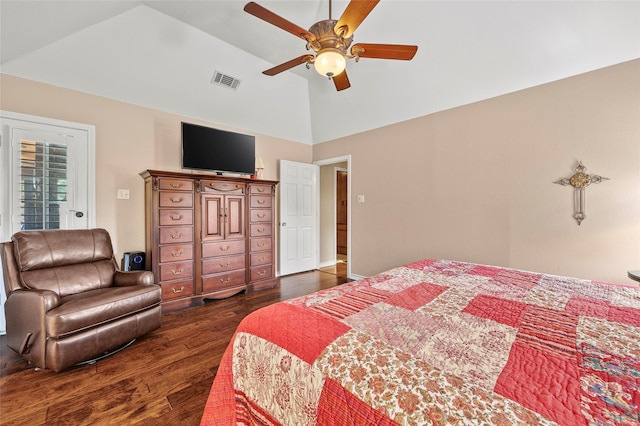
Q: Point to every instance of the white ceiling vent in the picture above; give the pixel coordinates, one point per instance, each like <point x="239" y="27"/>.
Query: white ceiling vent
<point x="225" y="80"/>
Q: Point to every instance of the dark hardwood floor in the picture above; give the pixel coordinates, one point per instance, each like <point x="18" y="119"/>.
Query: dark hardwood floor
<point x="162" y="379"/>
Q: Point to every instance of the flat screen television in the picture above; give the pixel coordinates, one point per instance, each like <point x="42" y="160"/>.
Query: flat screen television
<point x="206" y="148"/>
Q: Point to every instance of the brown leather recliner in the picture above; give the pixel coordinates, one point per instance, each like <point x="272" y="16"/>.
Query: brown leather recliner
<point x="67" y="302"/>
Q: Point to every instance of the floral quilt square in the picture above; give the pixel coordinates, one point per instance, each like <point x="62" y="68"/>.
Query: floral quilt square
<point x="475" y="349"/>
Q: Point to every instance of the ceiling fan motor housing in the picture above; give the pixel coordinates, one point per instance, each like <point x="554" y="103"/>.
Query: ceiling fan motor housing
<point x="327" y="38"/>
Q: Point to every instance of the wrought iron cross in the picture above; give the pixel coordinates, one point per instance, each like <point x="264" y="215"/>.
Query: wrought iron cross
<point x="580" y="180"/>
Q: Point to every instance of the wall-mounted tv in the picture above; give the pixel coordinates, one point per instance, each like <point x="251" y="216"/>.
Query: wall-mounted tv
<point x="206" y="148"/>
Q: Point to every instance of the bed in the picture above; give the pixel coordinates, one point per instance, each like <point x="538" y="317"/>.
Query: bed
<point x="437" y="342"/>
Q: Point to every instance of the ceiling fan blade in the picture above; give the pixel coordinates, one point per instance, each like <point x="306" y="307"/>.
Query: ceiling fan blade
<point x="353" y="16"/>
<point x="270" y="17"/>
<point x="384" y="51"/>
<point x="289" y="64"/>
<point x="341" y="81"/>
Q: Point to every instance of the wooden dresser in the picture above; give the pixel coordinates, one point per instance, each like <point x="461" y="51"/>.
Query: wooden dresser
<point x="208" y="236"/>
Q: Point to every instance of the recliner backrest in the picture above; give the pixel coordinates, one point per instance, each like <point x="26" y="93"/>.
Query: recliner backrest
<point x="64" y="261"/>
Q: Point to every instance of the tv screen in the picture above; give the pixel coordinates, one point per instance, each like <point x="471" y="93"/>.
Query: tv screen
<point x="205" y="148"/>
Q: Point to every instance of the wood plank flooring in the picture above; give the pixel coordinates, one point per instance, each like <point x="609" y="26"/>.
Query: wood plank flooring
<point x="162" y="379"/>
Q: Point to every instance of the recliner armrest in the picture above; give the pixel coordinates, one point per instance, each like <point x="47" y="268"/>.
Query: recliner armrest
<point x="127" y="278"/>
<point x="32" y="300"/>
<point x="26" y="325"/>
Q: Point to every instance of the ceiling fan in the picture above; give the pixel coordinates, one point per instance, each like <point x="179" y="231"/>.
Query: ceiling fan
<point x="330" y="40"/>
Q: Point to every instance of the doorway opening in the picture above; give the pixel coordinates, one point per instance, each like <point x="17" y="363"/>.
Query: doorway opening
<point x="335" y="216"/>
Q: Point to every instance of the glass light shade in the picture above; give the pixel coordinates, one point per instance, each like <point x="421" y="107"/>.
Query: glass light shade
<point x="330" y="62"/>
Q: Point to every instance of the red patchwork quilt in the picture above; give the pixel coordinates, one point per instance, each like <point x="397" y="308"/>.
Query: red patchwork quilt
<point x="438" y="342"/>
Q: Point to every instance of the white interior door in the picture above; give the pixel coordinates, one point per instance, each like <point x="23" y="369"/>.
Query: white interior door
<point x="298" y="217"/>
<point x="48" y="177"/>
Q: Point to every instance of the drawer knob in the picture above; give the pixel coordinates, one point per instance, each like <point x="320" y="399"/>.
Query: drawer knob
<point x="226" y="248"/>
<point x="262" y="259"/>
<point x="261" y="215"/>
<point x="173" y="290"/>
<point x="261" y="201"/>
<point x="262" y="273"/>
<point x="222" y="265"/>
<point x="260" y="244"/>
<point x="176" y="235"/>
<point x="175" y="185"/>
<point x="176" y="253"/>
<point x="260" y="189"/>
<point x="176" y="200"/>
<point x="224" y="280"/>
<point x="177" y="271"/>
<point x="261" y="230"/>
<point x="176" y="216"/>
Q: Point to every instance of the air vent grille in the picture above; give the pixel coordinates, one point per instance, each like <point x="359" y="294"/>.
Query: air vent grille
<point x="225" y="80"/>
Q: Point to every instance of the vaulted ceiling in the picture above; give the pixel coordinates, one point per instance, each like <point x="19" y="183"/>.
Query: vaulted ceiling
<point x="163" y="55"/>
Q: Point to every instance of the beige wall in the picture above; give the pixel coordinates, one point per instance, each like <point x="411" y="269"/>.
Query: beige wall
<point x="475" y="183"/>
<point x="129" y="139"/>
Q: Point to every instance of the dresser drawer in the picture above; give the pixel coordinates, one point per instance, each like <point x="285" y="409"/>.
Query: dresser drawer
<point x="261" y="272"/>
<point x="222" y="264"/>
<point x="182" y="234"/>
<point x="175" y="184"/>
<point x="260" y="189"/>
<point x="222" y="281"/>
<point x="176" y="289"/>
<point x="260" y="201"/>
<point x="260" y="229"/>
<point x="257" y="215"/>
<point x="261" y="258"/>
<point x="226" y="187"/>
<point x="176" y="199"/>
<point x="175" y="271"/>
<point x="176" y="253"/>
<point x="260" y="244"/>
<point x="176" y="217"/>
<point x="223" y="248"/>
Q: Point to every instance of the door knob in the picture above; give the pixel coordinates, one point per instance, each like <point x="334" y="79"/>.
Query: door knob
<point x="284" y="223"/>
<point x="79" y="214"/>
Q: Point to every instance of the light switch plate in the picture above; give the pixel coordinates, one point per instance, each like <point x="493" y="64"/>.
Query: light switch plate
<point x="123" y="194"/>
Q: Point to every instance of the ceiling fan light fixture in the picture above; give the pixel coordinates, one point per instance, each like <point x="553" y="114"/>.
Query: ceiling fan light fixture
<point x="330" y="62"/>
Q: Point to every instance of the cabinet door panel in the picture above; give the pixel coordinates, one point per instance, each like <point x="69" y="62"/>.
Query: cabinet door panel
<point x="234" y="216"/>
<point x="212" y="217"/>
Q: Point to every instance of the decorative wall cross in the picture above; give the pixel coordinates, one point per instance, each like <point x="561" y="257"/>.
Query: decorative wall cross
<point x="580" y="180"/>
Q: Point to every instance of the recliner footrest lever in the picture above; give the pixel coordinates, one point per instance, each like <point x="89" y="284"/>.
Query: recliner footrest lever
<point x="25" y="347"/>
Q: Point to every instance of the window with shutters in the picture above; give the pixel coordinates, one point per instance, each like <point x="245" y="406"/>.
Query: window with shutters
<point x="43" y="184"/>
